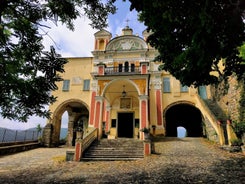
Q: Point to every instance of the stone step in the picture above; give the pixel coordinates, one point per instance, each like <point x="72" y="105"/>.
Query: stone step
<point x="216" y="109"/>
<point x="117" y="149"/>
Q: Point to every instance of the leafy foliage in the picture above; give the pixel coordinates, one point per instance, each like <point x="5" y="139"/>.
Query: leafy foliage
<point x="27" y="74"/>
<point x="239" y="128"/>
<point x="236" y="142"/>
<point x="193" y="36"/>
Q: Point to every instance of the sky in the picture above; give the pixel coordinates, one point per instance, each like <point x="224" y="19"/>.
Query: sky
<point x="79" y="43"/>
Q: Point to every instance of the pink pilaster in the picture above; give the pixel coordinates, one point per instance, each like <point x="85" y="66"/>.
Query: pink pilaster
<point x="144" y="67"/>
<point x="78" y="151"/>
<point x="143" y="114"/>
<point x="147" y="148"/>
<point x="97" y="114"/>
<point x="159" y="107"/>
<point x="107" y="120"/>
<point x="92" y="107"/>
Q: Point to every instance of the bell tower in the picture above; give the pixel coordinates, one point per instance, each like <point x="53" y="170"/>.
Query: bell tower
<point x="102" y="37"/>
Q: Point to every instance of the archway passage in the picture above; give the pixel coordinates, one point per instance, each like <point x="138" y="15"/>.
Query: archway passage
<point x="184" y="115"/>
<point x="77" y="111"/>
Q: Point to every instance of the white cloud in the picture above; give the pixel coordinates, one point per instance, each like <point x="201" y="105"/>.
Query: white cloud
<point x="77" y="43"/>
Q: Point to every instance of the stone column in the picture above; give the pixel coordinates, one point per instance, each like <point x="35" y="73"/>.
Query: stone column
<point x="47" y="135"/>
<point x="71" y="118"/>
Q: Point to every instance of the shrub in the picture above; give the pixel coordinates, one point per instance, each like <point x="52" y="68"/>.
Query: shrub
<point x="239" y="129"/>
<point x="236" y="142"/>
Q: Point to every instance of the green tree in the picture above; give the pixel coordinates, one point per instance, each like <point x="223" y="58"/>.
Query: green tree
<point x="242" y="51"/>
<point x="27" y="74"/>
<point x="39" y="129"/>
<point x="193" y="36"/>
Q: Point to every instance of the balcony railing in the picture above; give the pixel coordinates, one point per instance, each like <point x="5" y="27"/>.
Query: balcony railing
<point x="122" y="70"/>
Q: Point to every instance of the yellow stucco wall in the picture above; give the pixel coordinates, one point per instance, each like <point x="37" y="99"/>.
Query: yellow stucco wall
<point x="76" y="70"/>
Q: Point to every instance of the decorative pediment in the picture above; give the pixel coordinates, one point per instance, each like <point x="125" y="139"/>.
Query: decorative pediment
<point x="102" y="33"/>
<point x="126" y="43"/>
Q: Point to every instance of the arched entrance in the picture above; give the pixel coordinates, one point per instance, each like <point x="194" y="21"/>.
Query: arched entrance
<point x="184" y="115"/>
<point x="122" y="115"/>
<point x="78" y="115"/>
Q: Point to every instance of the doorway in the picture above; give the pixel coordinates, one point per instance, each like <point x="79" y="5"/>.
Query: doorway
<point x="125" y="124"/>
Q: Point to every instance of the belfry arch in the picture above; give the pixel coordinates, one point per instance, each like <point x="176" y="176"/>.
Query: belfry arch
<point x="186" y="115"/>
<point x="77" y="112"/>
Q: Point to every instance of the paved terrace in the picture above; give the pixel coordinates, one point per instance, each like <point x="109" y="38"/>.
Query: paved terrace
<point x="187" y="160"/>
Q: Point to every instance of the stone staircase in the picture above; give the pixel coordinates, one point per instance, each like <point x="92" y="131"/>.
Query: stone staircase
<point x="215" y="108"/>
<point x="115" y="149"/>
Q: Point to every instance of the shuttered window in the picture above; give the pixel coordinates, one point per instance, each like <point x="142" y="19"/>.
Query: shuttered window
<point x="86" y="85"/>
<point x="166" y="85"/>
<point x="66" y="85"/>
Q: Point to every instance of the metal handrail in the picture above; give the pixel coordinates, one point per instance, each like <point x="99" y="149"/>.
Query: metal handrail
<point x="120" y="70"/>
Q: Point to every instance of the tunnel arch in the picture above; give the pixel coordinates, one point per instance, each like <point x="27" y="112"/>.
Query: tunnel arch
<point x="183" y="114"/>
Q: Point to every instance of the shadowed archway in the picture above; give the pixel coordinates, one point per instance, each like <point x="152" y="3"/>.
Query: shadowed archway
<point x="184" y="115"/>
<point x="77" y="110"/>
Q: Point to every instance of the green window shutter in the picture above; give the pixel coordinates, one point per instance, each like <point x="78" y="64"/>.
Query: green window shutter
<point x="202" y="92"/>
<point x="86" y="85"/>
<point x="166" y="85"/>
<point x="66" y="85"/>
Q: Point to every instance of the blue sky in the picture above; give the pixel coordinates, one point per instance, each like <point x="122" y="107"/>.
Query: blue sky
<point x="80" y="43"/>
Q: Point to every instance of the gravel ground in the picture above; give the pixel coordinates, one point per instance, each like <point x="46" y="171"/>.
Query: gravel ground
<point x="178" y="161"/>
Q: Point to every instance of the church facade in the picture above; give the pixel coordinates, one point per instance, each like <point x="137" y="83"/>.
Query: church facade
<point x="120" y="91"/>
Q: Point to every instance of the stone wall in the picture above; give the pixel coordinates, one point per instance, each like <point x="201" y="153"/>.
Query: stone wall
<point x="209" y="131"/>
<point x="227" y="95"/>
<point x="18" y="147"/>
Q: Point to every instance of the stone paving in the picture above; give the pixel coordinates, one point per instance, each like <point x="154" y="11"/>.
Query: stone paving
<point x="187" y="160"/>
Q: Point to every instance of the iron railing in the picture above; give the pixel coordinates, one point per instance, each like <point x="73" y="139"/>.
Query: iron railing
<point x="122" y="70"/>
<point x="7" y="135"/>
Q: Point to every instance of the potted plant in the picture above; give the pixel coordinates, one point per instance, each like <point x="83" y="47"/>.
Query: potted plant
<point x="146" y="132"/>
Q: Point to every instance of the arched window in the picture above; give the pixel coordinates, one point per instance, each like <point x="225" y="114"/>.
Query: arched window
<point x="132" y="67"/>
<point x="126" y="66"/>
<point x="101" y="45"/>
